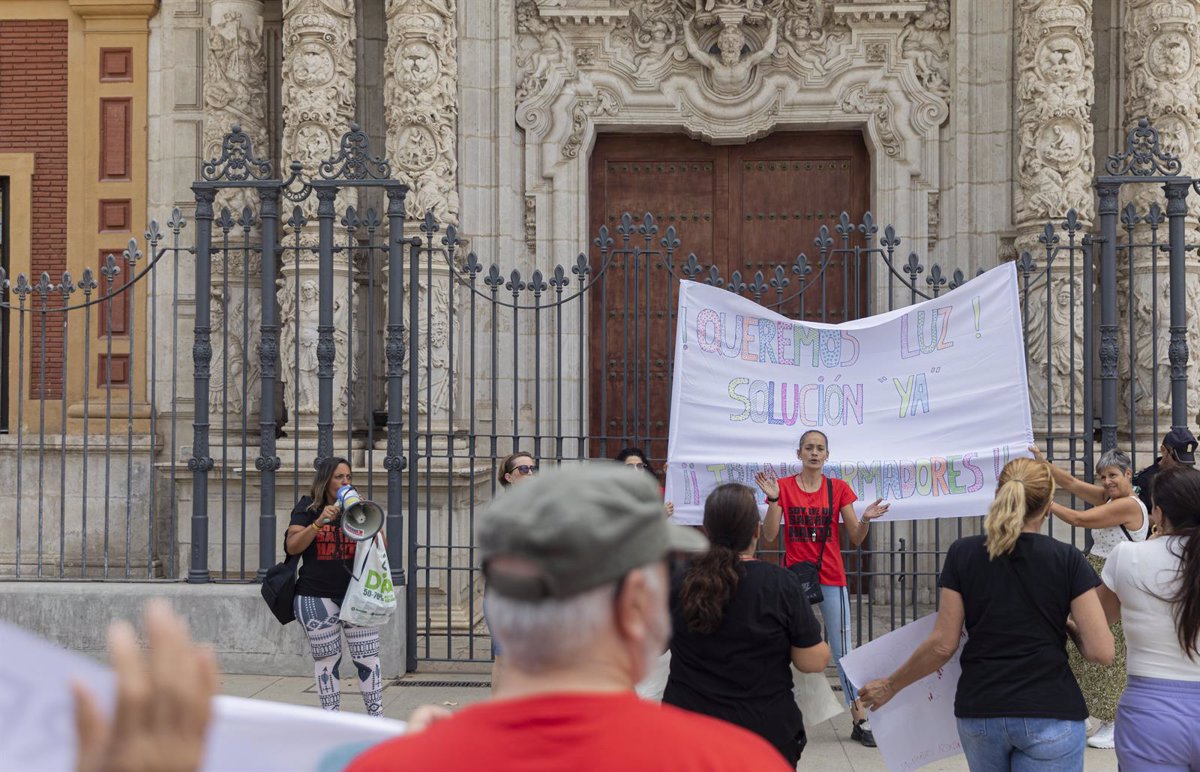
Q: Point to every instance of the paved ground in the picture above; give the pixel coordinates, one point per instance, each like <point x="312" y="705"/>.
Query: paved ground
<point x="829" y="747"/>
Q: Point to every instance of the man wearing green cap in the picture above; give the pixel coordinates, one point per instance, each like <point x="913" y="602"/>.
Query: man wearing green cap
<point x="576" y="569"/>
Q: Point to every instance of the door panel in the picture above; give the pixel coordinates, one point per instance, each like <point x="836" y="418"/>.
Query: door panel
<point x="743" y="208"/>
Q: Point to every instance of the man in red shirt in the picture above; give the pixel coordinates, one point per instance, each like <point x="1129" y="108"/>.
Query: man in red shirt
<point x="575" y="563"/>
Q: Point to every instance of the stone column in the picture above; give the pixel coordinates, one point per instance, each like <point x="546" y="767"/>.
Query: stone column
<point x="421" y="108"/>
<point x="1162" y="77"/>
<point x="235" y="88"/>
<point x="319" y="38"/>
<point x="1055" y="166"/>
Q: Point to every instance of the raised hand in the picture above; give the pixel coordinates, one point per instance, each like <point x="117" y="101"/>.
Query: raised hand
<point x="1037" y="453"/>
<point x="670" y="509"/>
<point x="874" y="510"/>
<point x="768" y="483"/>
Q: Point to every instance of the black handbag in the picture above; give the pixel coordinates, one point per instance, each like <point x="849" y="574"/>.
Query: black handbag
<point x="808" y="572"/>
<point x="279" y="588"/>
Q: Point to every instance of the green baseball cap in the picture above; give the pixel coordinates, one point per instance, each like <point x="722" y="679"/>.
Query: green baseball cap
<point x="578" y="527"/>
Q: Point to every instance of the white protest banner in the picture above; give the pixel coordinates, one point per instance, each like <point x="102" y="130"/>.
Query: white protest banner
<point x="923" y="405"/>
<point x="37" y="718"/>
<point x="917" y="726"/>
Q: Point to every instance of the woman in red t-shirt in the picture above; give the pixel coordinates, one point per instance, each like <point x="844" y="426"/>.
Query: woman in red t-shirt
<point x="812" y="534"/>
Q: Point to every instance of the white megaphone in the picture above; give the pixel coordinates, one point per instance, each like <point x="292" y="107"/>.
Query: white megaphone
<point x="361" y="519"/>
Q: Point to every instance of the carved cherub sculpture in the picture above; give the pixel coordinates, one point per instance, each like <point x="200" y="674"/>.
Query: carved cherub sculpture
<point x="731" y="71"/>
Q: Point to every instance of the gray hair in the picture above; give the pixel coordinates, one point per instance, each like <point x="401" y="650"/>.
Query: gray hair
<point x="537" y="636"/>
<point x="1114" y="457"/>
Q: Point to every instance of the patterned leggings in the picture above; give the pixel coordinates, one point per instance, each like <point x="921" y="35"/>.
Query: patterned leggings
<point x="319" y="618"/>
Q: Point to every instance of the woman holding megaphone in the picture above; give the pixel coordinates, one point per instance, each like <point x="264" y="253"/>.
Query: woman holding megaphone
<point x="327" y="556"/>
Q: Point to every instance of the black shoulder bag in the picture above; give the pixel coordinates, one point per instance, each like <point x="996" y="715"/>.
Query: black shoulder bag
<point x="809" y="572"/>
<point x="279" y="587"/>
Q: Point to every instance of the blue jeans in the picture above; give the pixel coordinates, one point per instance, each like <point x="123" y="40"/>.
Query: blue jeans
<point x="835" y="612"/>
<point x="1022" y="744"/>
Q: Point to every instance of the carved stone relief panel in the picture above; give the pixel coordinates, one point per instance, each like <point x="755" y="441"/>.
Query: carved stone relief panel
<point x="318" y="87"/>
<point x="1055" y="167"/>
<point x="235" y="86"/>
<point x="421" y="103"/>
<point x="1161" y="54"/>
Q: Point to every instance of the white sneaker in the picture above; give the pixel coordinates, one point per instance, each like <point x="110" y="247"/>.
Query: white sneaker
<point x="1092" y="725"/>
<point x="1104" y="736"/>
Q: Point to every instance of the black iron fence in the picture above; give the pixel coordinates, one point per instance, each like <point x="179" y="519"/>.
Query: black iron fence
<point x="320" y="321"/>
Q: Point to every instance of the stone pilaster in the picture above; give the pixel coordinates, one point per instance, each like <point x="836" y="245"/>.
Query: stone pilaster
<point x="1055" y="166"/>
<point x="1162" y="76"/>
<point x="319" y="38"/>
<point x="421" y="109"/>
<point x="235" y="93"/>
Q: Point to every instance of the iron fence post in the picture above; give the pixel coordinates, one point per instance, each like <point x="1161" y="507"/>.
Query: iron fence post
<point x="326" y="351"/>
<point x="268" y="462"/>
<point x="200" y="462"/>
<point x="394" y="461"/>
<point x="1177" y="351"/>
<point x="414" y="382"/>
<point x="1107" y="195"/>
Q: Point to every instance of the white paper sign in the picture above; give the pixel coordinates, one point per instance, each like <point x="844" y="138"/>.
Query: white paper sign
<point x="917" y="726"/>
<point x="923" y="406"/>
<point x="37" y="718"/>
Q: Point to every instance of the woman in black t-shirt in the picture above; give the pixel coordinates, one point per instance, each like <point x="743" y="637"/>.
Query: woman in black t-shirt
<point x="1017" y="703"/>
<point x="327" y="557"/>
<point x="739" y="626"/>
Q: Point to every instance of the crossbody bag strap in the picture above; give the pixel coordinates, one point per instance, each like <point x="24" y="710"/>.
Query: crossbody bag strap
<point x="828" y="525"/>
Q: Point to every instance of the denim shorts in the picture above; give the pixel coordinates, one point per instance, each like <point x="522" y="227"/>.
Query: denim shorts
<point x="1014" y="743"/>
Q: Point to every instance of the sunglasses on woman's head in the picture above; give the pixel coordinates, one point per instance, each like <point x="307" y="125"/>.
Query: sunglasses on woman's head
<point x="526" y="468"/>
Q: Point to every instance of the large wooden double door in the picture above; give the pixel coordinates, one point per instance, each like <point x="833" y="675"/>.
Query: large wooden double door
<point x="740" y="208"/>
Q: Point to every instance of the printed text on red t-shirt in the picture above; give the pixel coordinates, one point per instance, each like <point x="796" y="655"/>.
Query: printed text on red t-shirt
<point x="811" y="524"/>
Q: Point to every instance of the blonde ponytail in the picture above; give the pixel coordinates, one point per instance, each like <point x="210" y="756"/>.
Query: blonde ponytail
<point x="1026" y="487"/>
<point x="1005" y="517"/>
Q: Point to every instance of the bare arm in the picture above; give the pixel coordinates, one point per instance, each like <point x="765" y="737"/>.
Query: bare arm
<point x="1124" y="511"/>
<point x="1092" y="494"/>
<point x="857" y="529"/>
<point x="811" y="659"/>
<point x="1110" y="603"/>
<point x="768" y="46"/>
<point x="934" y="651"/>
<point x="769" y="485"/>
<point x="689" y="39"/>
<point x="1095" y="639"/>
<point x="300" y="536"/>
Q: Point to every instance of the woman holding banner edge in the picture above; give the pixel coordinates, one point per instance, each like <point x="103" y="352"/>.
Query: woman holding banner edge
<point x="1116" y="515"/>
<point x="1018" y="706"/>
<point x="812" y="534"/>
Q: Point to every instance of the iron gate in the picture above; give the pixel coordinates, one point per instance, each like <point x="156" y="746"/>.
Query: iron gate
<point x="479" y="359"/>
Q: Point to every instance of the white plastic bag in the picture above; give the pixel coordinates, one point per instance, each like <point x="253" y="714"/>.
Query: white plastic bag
<point x="370" y="599"/>
<point x="815" y="697"/>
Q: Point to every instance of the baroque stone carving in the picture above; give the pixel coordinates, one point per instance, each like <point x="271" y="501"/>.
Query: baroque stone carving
<point x="1162" y="44"/>
<point x="730" y="70"/>
<point x="1055" y="166"/>
<point x="234" y="336"/>
<point x="299" y="344"/>
<point x="1055" y="92"/>
<point x="421" y="104"/>
<point x="318" y="88"/>
<point x="859" y="99"/>
<point x="235" y="85"/>
<point x="926" y="42"/>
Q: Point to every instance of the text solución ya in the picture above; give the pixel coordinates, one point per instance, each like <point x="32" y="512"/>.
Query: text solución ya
<point x="827" y="400"/>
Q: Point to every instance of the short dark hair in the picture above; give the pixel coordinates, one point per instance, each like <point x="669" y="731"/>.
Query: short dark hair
<point x="631" y="452"/>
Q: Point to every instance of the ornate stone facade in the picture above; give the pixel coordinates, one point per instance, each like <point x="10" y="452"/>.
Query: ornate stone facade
<point x="1055" y="168"/>
<point x="318" y="93"/>
<point x="421" y="104"/>
<point x="1162" y="48"/>
<point x="235" y="93"/>
<point x="730" y="71"/>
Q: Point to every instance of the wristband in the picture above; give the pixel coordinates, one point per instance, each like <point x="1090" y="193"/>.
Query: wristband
<point x="316" y="525"/>
<point x="772" y="500"/>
